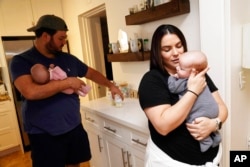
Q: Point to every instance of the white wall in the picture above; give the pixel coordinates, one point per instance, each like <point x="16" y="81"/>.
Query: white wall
<point x="240" y="108"/>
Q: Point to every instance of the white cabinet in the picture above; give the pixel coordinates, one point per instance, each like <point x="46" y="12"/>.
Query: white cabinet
<point x="136" y="157"/>
<point x="126" y="144"/>
<point x="117" y="152"/>
<point x="97" y="148"/>
<point x="114" y="144"/>
<point x="92" y="125"/>
<point x="138" y="143"/>
<point x="18" y="15"/>
<point x="8" y="129"/>
<point x="122" y="154"/>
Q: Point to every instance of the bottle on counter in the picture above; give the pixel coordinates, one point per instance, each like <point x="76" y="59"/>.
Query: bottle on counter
<point x="118" y="101"/>
<point x="124" y="87"/>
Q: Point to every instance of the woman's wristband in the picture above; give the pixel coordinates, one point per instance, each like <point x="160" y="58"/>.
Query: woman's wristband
<point x="193" y="92"/>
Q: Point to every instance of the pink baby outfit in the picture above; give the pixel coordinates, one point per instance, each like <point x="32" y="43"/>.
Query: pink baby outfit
<point x="57" y="73"/>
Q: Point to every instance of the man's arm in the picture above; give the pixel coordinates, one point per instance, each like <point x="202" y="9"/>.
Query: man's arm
<point x="98" y="78"/>
<point x="33" y="91"/>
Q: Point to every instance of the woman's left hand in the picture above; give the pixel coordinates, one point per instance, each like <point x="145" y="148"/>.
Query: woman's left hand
<point x="201" y="127"/>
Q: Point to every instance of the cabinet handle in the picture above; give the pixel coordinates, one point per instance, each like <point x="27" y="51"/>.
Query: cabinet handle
<point x="139" y="142"/>
<point x="123" y="158"/>
<point x="110" y="129"/>
<point x="128" y="157"/>
<point x="99" y="143"/>
<point x="90" y="120"/>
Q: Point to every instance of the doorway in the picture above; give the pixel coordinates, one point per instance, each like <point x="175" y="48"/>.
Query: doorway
<point x="95" y="40"/>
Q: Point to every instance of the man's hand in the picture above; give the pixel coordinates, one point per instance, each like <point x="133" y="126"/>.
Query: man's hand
<point x="115" y="90"/>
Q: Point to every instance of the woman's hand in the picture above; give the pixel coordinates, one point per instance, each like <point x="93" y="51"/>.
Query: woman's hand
<point x="201" y="127"/>
<point x="197" y="82"/>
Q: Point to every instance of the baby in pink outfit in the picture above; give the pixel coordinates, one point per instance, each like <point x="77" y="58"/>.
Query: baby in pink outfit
<point x="41" y="75"/>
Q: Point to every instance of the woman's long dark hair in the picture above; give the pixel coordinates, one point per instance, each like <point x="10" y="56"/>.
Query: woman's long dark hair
<point x="156" y="61"/>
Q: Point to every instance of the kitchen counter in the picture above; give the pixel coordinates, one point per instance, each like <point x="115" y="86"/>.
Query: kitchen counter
<point x="129" y="114"/>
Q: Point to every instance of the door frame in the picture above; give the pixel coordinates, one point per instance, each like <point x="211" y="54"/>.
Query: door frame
<point x="92" y="48"/>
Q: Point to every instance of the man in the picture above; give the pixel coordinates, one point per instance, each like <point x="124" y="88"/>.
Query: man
<point x="51" y="118"/>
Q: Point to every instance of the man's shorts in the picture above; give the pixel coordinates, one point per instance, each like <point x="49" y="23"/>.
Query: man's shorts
<point x="57" y="151"/>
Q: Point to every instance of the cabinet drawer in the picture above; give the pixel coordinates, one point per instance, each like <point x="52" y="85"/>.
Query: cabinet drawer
<point x="8" y="140"/>
<point x="5" y="121"/>
<point x="114" y="129"/>
<point x="91" y="119"/>
<point x="138" y="139"/>
<point x="5" y="106"/>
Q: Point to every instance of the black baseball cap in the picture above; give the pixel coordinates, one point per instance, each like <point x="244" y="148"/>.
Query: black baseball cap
<point x="51" y="22"/>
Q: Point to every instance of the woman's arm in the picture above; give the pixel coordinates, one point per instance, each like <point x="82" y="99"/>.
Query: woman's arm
<point x="223" y="111"/>
<point x="166" y="118"/>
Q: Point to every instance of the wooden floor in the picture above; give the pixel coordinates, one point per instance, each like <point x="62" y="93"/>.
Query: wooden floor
<point x="18" y="159"/>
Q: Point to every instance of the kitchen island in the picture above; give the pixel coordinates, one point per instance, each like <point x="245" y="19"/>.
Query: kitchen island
<point x="118" y="135"/>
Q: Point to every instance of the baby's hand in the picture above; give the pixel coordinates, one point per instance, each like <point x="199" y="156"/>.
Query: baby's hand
<point x="84" y="90"/>
<point x="176" y="75"/>
<point x="52" y="66"/>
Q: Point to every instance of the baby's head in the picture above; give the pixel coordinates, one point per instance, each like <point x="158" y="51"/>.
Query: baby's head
<point x="190" y="60"/>
<point x="40" y="74"/>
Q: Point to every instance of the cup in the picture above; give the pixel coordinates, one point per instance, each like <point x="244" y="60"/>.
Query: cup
<point x="135" y="8"/>
<point x="115" y="48"/>
<point x="140" y="44"/>
<point x="134" y="45"/>
<point x="131" y="10"/>
<point x="110" y="48"/>
<point x="145" y="45"/>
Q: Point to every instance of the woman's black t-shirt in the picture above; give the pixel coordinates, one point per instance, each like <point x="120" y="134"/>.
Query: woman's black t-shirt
<point x="178" y="144"/>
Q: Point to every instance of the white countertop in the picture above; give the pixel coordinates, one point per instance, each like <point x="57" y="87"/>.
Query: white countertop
<point x="130" y="114"/>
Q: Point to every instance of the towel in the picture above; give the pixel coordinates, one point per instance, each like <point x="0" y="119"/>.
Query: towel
<point x="155" y="157"/>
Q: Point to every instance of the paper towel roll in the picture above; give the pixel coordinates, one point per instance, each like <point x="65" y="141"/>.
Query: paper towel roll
<point x="123" y="40"/>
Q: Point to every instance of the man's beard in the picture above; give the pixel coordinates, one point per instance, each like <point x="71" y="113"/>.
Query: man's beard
<point x="51" y="48"/>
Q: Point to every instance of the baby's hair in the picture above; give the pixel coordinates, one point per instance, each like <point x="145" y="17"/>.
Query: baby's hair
<point x="197" y="59"/>
<point x="40" y="74"/>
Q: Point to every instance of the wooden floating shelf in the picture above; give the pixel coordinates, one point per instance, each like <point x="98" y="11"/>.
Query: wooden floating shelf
<point x="128" y="57"/>
<point x="170" y="9"/>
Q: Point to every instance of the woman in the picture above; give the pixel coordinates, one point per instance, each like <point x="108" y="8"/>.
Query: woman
<point x="174" y="142"/>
